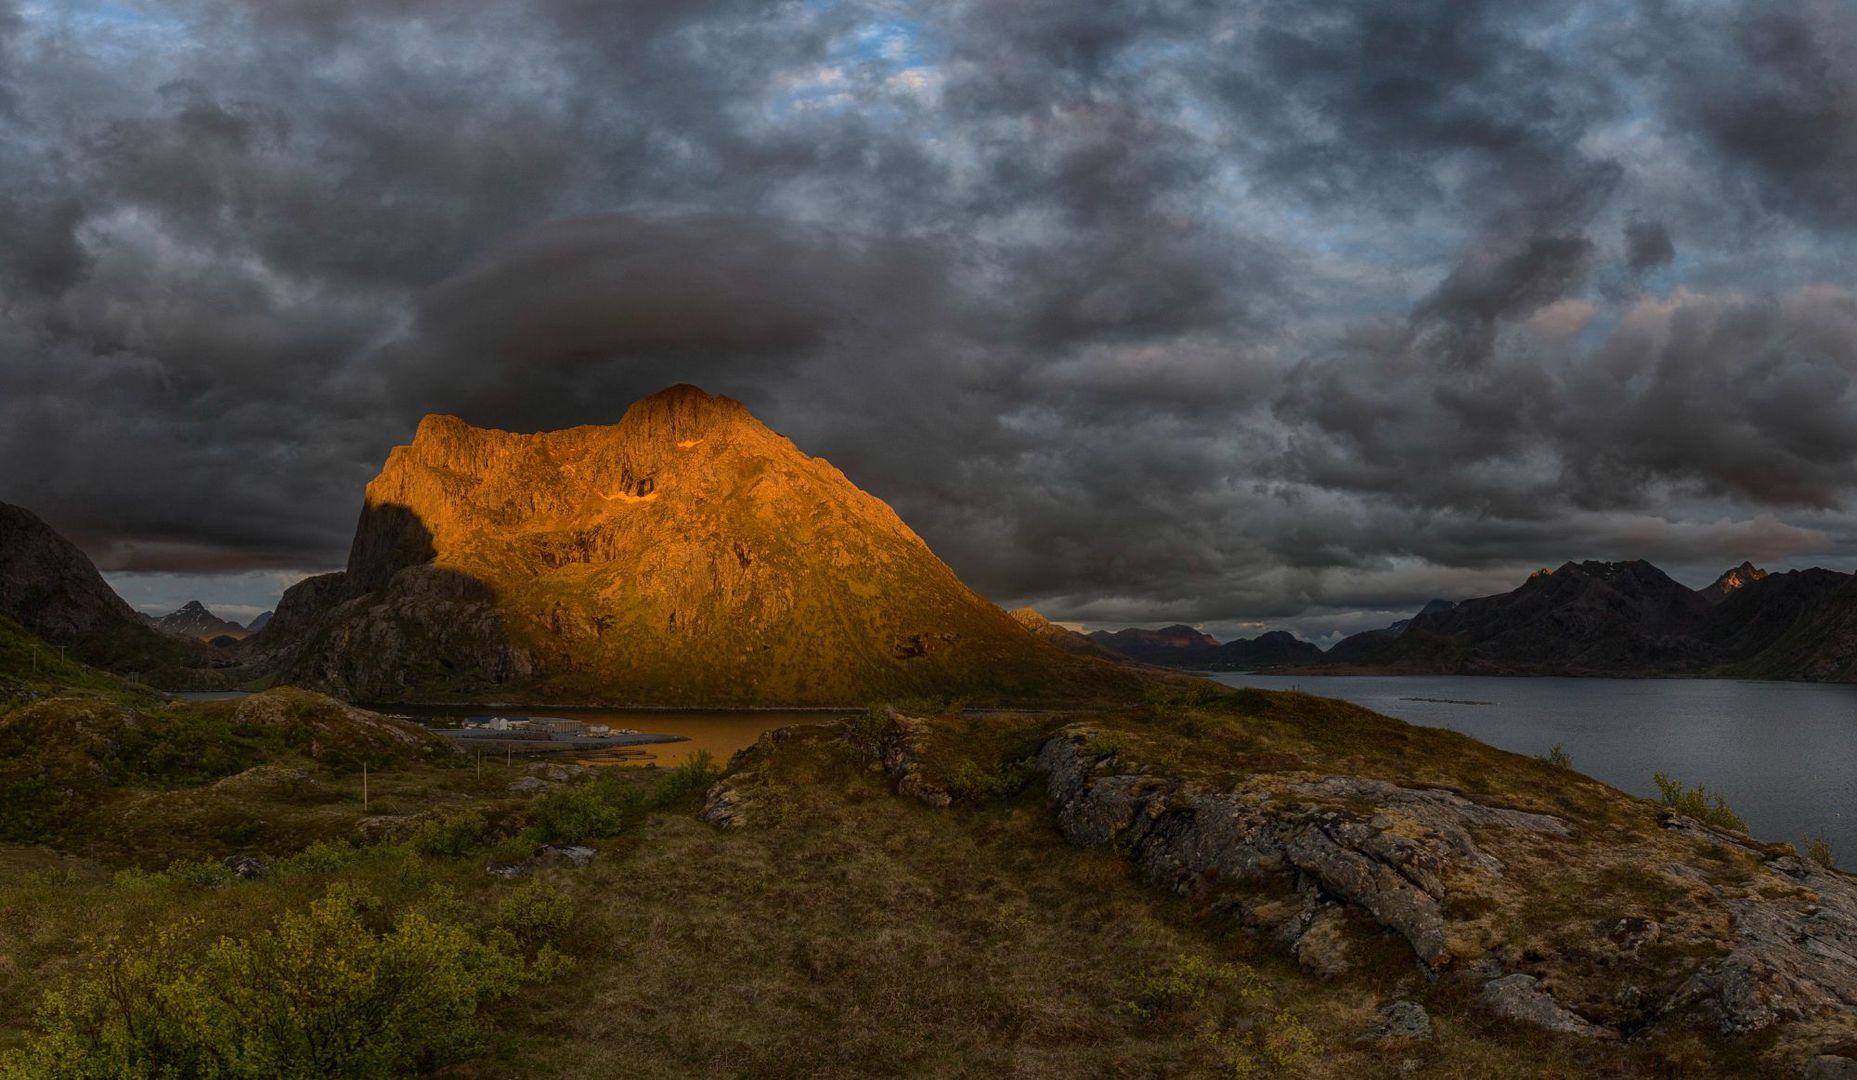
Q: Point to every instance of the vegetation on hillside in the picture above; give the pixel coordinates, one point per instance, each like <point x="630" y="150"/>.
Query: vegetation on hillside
<point x="841" y="930"/>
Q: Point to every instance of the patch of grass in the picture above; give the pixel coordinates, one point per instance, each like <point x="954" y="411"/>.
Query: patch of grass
<point x="1818" y="850"/>
<point x="1558" y="758"/>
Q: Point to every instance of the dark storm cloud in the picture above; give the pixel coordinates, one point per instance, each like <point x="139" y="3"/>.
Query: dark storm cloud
<point x="1648" y="245"/>
<point x="581" y="313"/>
<point x="1140" y="310"/>
<point x="1771" y="89"/>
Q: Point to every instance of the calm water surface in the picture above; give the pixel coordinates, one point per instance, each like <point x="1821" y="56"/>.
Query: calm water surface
<point x="720" y="733"/>
<point x="1783" y="754"/>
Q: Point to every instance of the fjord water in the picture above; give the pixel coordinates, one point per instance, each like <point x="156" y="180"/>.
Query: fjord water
<point x="720" y="733"/>
<point x="1783" y="754"/>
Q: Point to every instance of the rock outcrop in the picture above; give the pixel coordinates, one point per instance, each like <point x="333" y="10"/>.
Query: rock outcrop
<point x="1524" y="892"/>
<point x="1779" y="948"/>
<point x="686" y="555"/>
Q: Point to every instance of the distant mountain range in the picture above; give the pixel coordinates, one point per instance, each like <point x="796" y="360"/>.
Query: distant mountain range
<point x="194" y="621"/>
<point x="1185" y="647"/>
<point x="1589" y="618"/>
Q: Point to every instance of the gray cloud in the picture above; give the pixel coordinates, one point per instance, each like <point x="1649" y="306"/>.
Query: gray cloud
<point x="1144" y="310"/>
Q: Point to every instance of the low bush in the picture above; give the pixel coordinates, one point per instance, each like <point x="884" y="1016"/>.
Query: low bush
<point x="1558" y="757"/>
<point x="1818" y="849"/>
<point x="535" y="914"/>
<point x="322" y="994"/>
<point x="1104" y="743"/>
<point x="1698" y="803"/>
<point x="970" y="782"/>
<point x="1229" y="1009"/>
<point x="450" y="836"/>
<point x="692" y="777"/>
<point x="577" y="814"/>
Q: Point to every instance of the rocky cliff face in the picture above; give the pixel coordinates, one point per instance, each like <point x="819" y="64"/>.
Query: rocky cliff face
<point x="685" y="555"/>
<point x="52" y="589"/>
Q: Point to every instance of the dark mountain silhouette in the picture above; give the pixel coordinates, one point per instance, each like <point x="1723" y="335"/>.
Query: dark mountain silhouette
<point x="54" y="591"/>
<point x="1350" y="649"/>
<point x="1167" y="646"/>
<point x="1184" y="647"/>
<point x="1277" y="648"/>
<point x="259" y="623"/>
<point x="1629" y="618"/>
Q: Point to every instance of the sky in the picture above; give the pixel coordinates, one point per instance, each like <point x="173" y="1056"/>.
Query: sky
<point x="1241" y="314"/>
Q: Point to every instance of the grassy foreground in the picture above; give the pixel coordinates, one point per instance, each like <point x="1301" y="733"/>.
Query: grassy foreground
<point x="844" y="931"/>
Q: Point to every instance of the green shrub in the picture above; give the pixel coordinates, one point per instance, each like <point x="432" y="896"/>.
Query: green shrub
<point x="1104" y="743"/>
<point x="535" y="914"/>
<point x="574" y="815"/>
<point x="1276" y="1045"/>
<point x="454" y="835"/>
<point x="1558" y="757"/>
<point x="872" y="724"/>
<point x="1818" y="849"/>
<point x="1697" y="803"/>
<point x="320" y="995"/>
<point x="1190" y="985"/>
<point x="321" y="857"/>
<point x="1228" y="1007"/>
<point x="692" y="777"/>
<point x="971" y="782"/>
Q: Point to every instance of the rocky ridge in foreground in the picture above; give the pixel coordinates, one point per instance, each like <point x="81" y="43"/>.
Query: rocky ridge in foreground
<point x="1528" y="894"/>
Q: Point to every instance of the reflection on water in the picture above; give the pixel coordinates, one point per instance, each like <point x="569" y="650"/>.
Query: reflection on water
<point x="1783" y="754"/>
<point x="718" y="733"/>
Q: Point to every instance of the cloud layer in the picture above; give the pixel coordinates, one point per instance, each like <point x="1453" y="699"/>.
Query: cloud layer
<point x="1144" y="310"/>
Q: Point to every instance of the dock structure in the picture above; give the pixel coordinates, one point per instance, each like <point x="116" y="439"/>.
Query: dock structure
<point x="548" y="735"/>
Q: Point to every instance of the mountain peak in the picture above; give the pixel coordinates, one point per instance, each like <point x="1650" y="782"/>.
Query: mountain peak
<point x="194" y="620"/>
<point x="1737" y="577"/>
<point x="685" y="555"/>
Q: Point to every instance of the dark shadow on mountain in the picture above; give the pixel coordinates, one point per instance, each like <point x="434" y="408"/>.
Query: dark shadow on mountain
<point x="388" y="538"/>
<point x="392" y="626"/>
